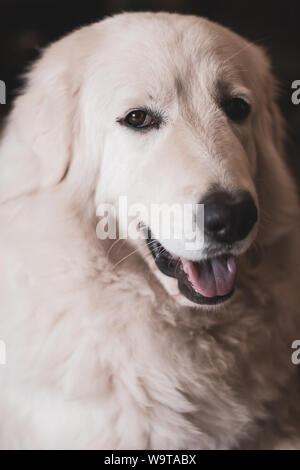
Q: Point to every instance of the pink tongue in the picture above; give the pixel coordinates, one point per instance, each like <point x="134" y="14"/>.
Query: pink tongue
<point x="211" y="278"/>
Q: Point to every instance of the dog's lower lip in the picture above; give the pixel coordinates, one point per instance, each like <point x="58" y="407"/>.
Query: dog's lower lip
<point x="189" y="292"/>
<point x="205" y="294"/>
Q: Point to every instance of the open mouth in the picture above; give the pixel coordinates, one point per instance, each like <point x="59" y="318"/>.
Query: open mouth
<point x="207" y="282"/>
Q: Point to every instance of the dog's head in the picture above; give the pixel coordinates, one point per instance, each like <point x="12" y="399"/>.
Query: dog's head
<point x="165" y="110"/>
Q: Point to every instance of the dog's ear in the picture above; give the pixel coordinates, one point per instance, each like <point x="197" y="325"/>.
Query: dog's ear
<point x="36" y="144"/>
<point x="276" y="189"/>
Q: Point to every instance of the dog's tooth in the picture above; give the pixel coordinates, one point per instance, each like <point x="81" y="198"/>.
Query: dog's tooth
<point x="231" y="265"/>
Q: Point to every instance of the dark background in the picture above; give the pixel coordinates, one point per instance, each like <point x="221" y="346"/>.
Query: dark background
<point x="28" y="25"/>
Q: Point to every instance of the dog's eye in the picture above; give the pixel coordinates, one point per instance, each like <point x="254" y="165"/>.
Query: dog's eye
<point x="139" y="119"/>
<point x="236" y="109"/>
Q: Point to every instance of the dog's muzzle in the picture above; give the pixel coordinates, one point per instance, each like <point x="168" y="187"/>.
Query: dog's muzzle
<point x="228" y="219"/>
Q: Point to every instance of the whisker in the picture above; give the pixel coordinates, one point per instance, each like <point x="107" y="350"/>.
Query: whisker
<point x="125" y="257"/>
<point x="162" y="250"/>
<point x="112" y="246"/>
<point x="249" y="44"/>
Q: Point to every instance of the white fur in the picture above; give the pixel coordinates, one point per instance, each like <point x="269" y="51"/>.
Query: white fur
<point x="106" y="354"/>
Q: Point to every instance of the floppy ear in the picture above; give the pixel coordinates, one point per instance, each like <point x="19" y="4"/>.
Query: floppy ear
<point x="275" y="186"/>
<point x="36" y="145"/>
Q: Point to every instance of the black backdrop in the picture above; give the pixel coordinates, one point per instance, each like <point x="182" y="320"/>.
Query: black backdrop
<point x="27" y="25"/>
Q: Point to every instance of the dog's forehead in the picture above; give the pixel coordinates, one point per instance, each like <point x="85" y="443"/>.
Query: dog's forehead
<point x="167" y="56"/>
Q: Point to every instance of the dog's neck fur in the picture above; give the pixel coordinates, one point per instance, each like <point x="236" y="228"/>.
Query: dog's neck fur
<point x="186" y="377"/>
<point x="233" y="353"/>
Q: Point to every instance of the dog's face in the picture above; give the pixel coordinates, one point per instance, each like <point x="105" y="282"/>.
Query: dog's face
<point x="181" y="132"/>
<point x="178" y="110"/>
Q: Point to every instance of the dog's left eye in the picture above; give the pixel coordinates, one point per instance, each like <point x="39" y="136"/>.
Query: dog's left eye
<point x="236" y="109"/>
<point x="139" y="119"/>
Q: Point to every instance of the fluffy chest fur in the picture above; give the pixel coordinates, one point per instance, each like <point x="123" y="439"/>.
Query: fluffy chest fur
<point x="102" y="358"/>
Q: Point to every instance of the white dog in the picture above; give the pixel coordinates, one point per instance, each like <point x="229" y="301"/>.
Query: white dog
<point x="103" y="349"/>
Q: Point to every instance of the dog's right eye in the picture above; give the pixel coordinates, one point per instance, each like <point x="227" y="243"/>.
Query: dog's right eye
<point x="138" y="118"/>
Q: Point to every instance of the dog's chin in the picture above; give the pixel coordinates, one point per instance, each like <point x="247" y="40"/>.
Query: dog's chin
<point x="207" y="282"/>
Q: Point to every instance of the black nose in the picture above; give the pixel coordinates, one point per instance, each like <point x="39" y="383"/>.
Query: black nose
<point x="228" y="218"/>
